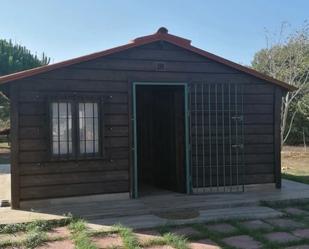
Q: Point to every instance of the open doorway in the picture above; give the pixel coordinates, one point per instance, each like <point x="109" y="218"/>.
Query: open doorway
<point x="160" y="134"/>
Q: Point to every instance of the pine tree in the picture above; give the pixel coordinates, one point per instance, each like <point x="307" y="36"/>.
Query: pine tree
<point x="15" y="58"/>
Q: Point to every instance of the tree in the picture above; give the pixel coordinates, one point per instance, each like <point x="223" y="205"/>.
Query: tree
<point x="287" y="59"/>
<point x="14" y="58"/>
<point x="299" y="133"/>
<point x="303" y="107"/>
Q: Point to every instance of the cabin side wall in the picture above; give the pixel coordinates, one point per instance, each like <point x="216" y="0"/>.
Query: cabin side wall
<point x="111" y="77"/>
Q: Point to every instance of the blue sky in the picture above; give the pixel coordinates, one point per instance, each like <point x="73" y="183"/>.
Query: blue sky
<point x="64" y="29"/>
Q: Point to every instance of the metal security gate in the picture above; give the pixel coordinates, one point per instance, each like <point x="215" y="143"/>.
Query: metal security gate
<point x="217" y="135"/>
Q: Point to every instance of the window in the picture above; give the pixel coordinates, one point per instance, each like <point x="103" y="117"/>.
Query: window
<point x="61" y="128"/>
<point x="88" y="128"/>
<point x="75" y="121"/>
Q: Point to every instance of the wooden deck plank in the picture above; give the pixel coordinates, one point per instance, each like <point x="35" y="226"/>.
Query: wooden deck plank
<point x="160" y="203"/>
<point x="133" y="211"/>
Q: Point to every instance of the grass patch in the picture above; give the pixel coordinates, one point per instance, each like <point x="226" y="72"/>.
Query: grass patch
<point x="286" y="203"/>
<point x="44" y="225"/>
<point x="80" y="235"/>
<point x="164" y="229"/>
<point x="10" y="243"/>
<point x="4" y="145"/>
<point x="154" y="242"/>
<point x="301" y="219"/>
<point x="4" y="160"/>
<point x="35" y="232"/>
<point x="296" y="178"/>
<point x="178" y="242"/>
<point x="168" y="238"/>
<point x="13" y="228"/>
<point x="128" y="237"/>
<point x="77" y="226"/>
<point x="40" y="225"/>
<point x="103" y="233"/>
<point x="4" y="153"/>
<point x="35" y="238"/>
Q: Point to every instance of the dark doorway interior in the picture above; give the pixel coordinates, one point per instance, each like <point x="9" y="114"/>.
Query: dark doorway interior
<point x="160" y="138"/>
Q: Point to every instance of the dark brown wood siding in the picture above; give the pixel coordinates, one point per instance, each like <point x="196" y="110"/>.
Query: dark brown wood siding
<point x="111" y="77"/>
<point x="41" y="177"/>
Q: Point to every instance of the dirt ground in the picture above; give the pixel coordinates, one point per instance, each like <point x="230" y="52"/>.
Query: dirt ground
<point x="5" y="177"/>
<point x="5" y="182"/>
<point x="4" y="153"/>
<point x="295" y="160"/>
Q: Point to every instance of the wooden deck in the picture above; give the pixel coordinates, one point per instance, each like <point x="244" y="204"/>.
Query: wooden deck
<point x="142" y="212"/>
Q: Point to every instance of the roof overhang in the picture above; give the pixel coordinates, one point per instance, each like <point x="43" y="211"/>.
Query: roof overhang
<point x="161" y="35"/>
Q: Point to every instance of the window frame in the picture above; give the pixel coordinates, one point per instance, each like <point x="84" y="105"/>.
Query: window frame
<point x="100" y="153"/>
<point x="74" y="100"/>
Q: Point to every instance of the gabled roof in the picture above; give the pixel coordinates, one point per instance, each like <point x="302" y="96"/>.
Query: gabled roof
<point x="161" y="35"/>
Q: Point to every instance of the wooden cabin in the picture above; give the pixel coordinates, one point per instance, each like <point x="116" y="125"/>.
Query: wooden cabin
<point x="156" y="114"/>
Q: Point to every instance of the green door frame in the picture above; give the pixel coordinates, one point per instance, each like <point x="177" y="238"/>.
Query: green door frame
<point x="134" y="183"/>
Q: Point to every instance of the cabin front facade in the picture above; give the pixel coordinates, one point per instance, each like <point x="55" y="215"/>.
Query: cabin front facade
<point x="156" y="113"/>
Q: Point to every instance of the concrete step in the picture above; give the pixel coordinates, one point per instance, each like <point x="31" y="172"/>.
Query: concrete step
<point x="150" y="220"/>
<point x="149" y="208"/>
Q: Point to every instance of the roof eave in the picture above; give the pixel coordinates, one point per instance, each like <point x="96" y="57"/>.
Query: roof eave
<point x="50" y="67"/>
<point x="164" y="36"/>
<point x="241" y="68"/>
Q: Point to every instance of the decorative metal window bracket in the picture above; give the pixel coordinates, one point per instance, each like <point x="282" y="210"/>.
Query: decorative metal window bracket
<point x="238" y="118"/>
<point x="238" y="146"/>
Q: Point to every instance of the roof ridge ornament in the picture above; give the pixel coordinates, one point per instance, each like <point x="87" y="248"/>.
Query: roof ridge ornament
<point x="162" y="34"/>
<point x="162" y="30"/>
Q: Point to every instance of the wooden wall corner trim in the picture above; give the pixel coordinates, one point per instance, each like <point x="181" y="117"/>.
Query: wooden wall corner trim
<point x="130" y="168"/>
<point x="277" y="135"/>
<point x="15" y="182"/>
